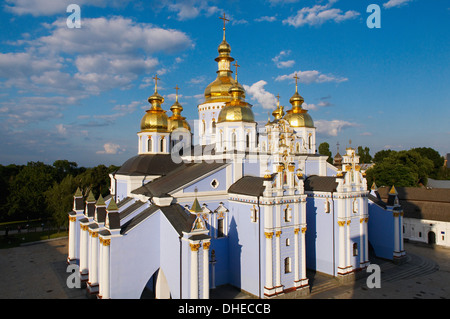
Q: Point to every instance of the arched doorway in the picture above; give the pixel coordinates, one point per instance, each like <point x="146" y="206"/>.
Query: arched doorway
<point x="157" y="287"/>
<point x="431" y="238"/>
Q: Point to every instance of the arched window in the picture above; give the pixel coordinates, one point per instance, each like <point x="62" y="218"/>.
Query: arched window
<point x="149" y="145"/>
<point x="161" y="145"/>
<point x="221" y="138"/>
<point x="287" y="265"/>
<point x="233" y="140"/>
<point x="213" y="125"/>
<point x="203" y="128"/>
<point x="310" y="141"/>
<point x="355" y="249"/>
<point x="247" y="140"/>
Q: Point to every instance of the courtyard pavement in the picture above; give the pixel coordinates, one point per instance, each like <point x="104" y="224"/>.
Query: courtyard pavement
<point x="38" y="271"/>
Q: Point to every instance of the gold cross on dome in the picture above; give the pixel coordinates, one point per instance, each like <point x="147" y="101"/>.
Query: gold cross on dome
<point x="156" y="81"/>
<point x="296" y="79"/>
<point x="225" y="20"/>
<point x="278" y="98"/>
<point x="237" y="66"/>
<point x="176" y="90"/>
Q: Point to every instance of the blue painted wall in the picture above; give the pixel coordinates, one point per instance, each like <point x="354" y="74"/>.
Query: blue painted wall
<point x="381" y="231"/>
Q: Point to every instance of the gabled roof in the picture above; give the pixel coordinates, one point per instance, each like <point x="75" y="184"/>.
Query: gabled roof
<point x="176" y="215"/>
<point x="177" y="178"/>
<point x="248" y="185"/>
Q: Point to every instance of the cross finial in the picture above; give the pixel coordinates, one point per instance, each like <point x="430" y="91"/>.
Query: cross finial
<point x="156" y="81"/>
<point x="278" y="98"/>
<point x="296" y="79"/>
<point x="176" y="90"/>
<point x="237" y="66"/>
<point x="337" y="146"/>
<point x="225" y="20"/>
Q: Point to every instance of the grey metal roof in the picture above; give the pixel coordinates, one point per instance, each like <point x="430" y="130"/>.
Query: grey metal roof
<point x="148" y="164"/>
<point x="248" y="185"/>
<point x="176" y="179"/>
<point x="320" y="183"/>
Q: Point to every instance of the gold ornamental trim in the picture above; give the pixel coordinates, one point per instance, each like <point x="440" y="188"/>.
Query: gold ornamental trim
<point x="303" y="230"/>
<point x="341" y="222"/>
<point x="348" y="222"/>
<point x="194" y="247"/>
<point x="84" y="227"/>
<point x="366" y="219"/>
<point x="106" y="242"/>
<point x="278" y="233"/>
<point x="268" y="235"/>
<point x="206" y="245"/>
<point x="72" y="219"/>
<point x="396" y="214"/>
<point x="296" y="230"/>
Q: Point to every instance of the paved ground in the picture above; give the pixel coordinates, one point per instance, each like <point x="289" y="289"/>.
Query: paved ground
<point x="38" y="271"/>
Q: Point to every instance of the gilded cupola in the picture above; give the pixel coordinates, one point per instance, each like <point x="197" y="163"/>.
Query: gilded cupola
<point x="218" y="90"/>
<point x="176" y="121"/>
<point x="237" y="110"/>
<point x="155" y="119"/>
<point x="297" y="116"/>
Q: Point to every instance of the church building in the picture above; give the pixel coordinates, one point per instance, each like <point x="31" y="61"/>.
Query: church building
<point x="249" y="206"/>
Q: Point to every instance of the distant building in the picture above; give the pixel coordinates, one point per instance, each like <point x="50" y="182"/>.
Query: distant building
<point x="426" y="213"/>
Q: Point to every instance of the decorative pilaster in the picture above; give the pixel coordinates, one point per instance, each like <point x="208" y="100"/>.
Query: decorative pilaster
<point x="105" y="268"/>
<point x="206" y="270"/>
<point x="341" y="261"/>
<point x="92" y="284"/>
<point x="194" y="270"/>
<point x="268" y="287"/>
<point x="72" y="239"/>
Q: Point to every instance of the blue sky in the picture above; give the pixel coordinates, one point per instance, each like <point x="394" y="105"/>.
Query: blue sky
<point x="79" y="94"/>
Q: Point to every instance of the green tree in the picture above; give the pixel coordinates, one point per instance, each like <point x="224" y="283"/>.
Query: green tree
<point x="433" y="155"/>
<point x="364" y="154"/>
<point x="324" y="149"/>
<point x="59" y="200"/>
<point x="26" y="199"/>
<point x="381" y="155"/>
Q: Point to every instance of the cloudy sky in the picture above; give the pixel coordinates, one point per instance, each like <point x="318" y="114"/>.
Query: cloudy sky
<point x="80" y="93"/>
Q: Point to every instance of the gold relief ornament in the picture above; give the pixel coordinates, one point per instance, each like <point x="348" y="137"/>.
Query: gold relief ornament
<point x="206" y="245"/>
<point x="194" y="247"/>
<point x="268" y="235"/>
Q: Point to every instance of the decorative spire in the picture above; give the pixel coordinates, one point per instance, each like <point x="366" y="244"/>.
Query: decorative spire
<point x="393" y="191"/>
<point x="100" y="201"/>
<point x="78" y="193"/>
<point x="225" y="20"/>
<point x="90" y="197"/>
<point x="296" y="86"/>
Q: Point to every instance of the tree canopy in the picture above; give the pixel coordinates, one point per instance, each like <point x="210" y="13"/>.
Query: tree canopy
<point x="42" y="191"/>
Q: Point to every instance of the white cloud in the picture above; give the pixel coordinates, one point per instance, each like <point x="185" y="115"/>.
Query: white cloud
<point x="257" y="92"/>
<point x="395" y="3"/>
<point x="283" y="64"/>
<point x="61" y="129"/>
<point x="266" y="19"/>
<point x="111" y="148"/>
<point x="116" y="35"/>
<point x="311" y="76"/>
<point x="190" y="9"/>
<point x="51" y="7"/>
<point x="333" y="127"/>
<point x="318" y="15"/>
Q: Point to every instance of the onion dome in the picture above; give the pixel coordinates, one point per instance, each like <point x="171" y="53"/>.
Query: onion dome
<point x="176" y="121"/>
<point x="237" y="110"/>
<point x="297" y="116"/>
<point x="155" y="119"/>
<point x="218" y="90"/>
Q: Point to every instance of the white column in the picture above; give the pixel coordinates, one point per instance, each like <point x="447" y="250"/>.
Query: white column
<point x="396" y="234"/>
<point x="341" y="262"/>
<point x="206" y="270"/>
<point x="72" y="238"/>
<point x="348" y="245"/>
<point x="303" y="254"/>
<point x="277" y="260"/>
<point x="402" y="249"/>
<point x="269" y="275"/>
<point x="106" y="269"/>
<point x="84" y="249"/>
<point x="93" y="270"/>
<point x="296" y="256"/>
<point x="366" y="241"/>
<point x="194" y="270"/>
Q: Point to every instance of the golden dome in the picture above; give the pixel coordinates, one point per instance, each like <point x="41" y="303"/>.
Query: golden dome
<point x="237" y="110"/>
<point x="297" y="116"/>
<point x="176" y="121"/>
<point x="155" y="119"/>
